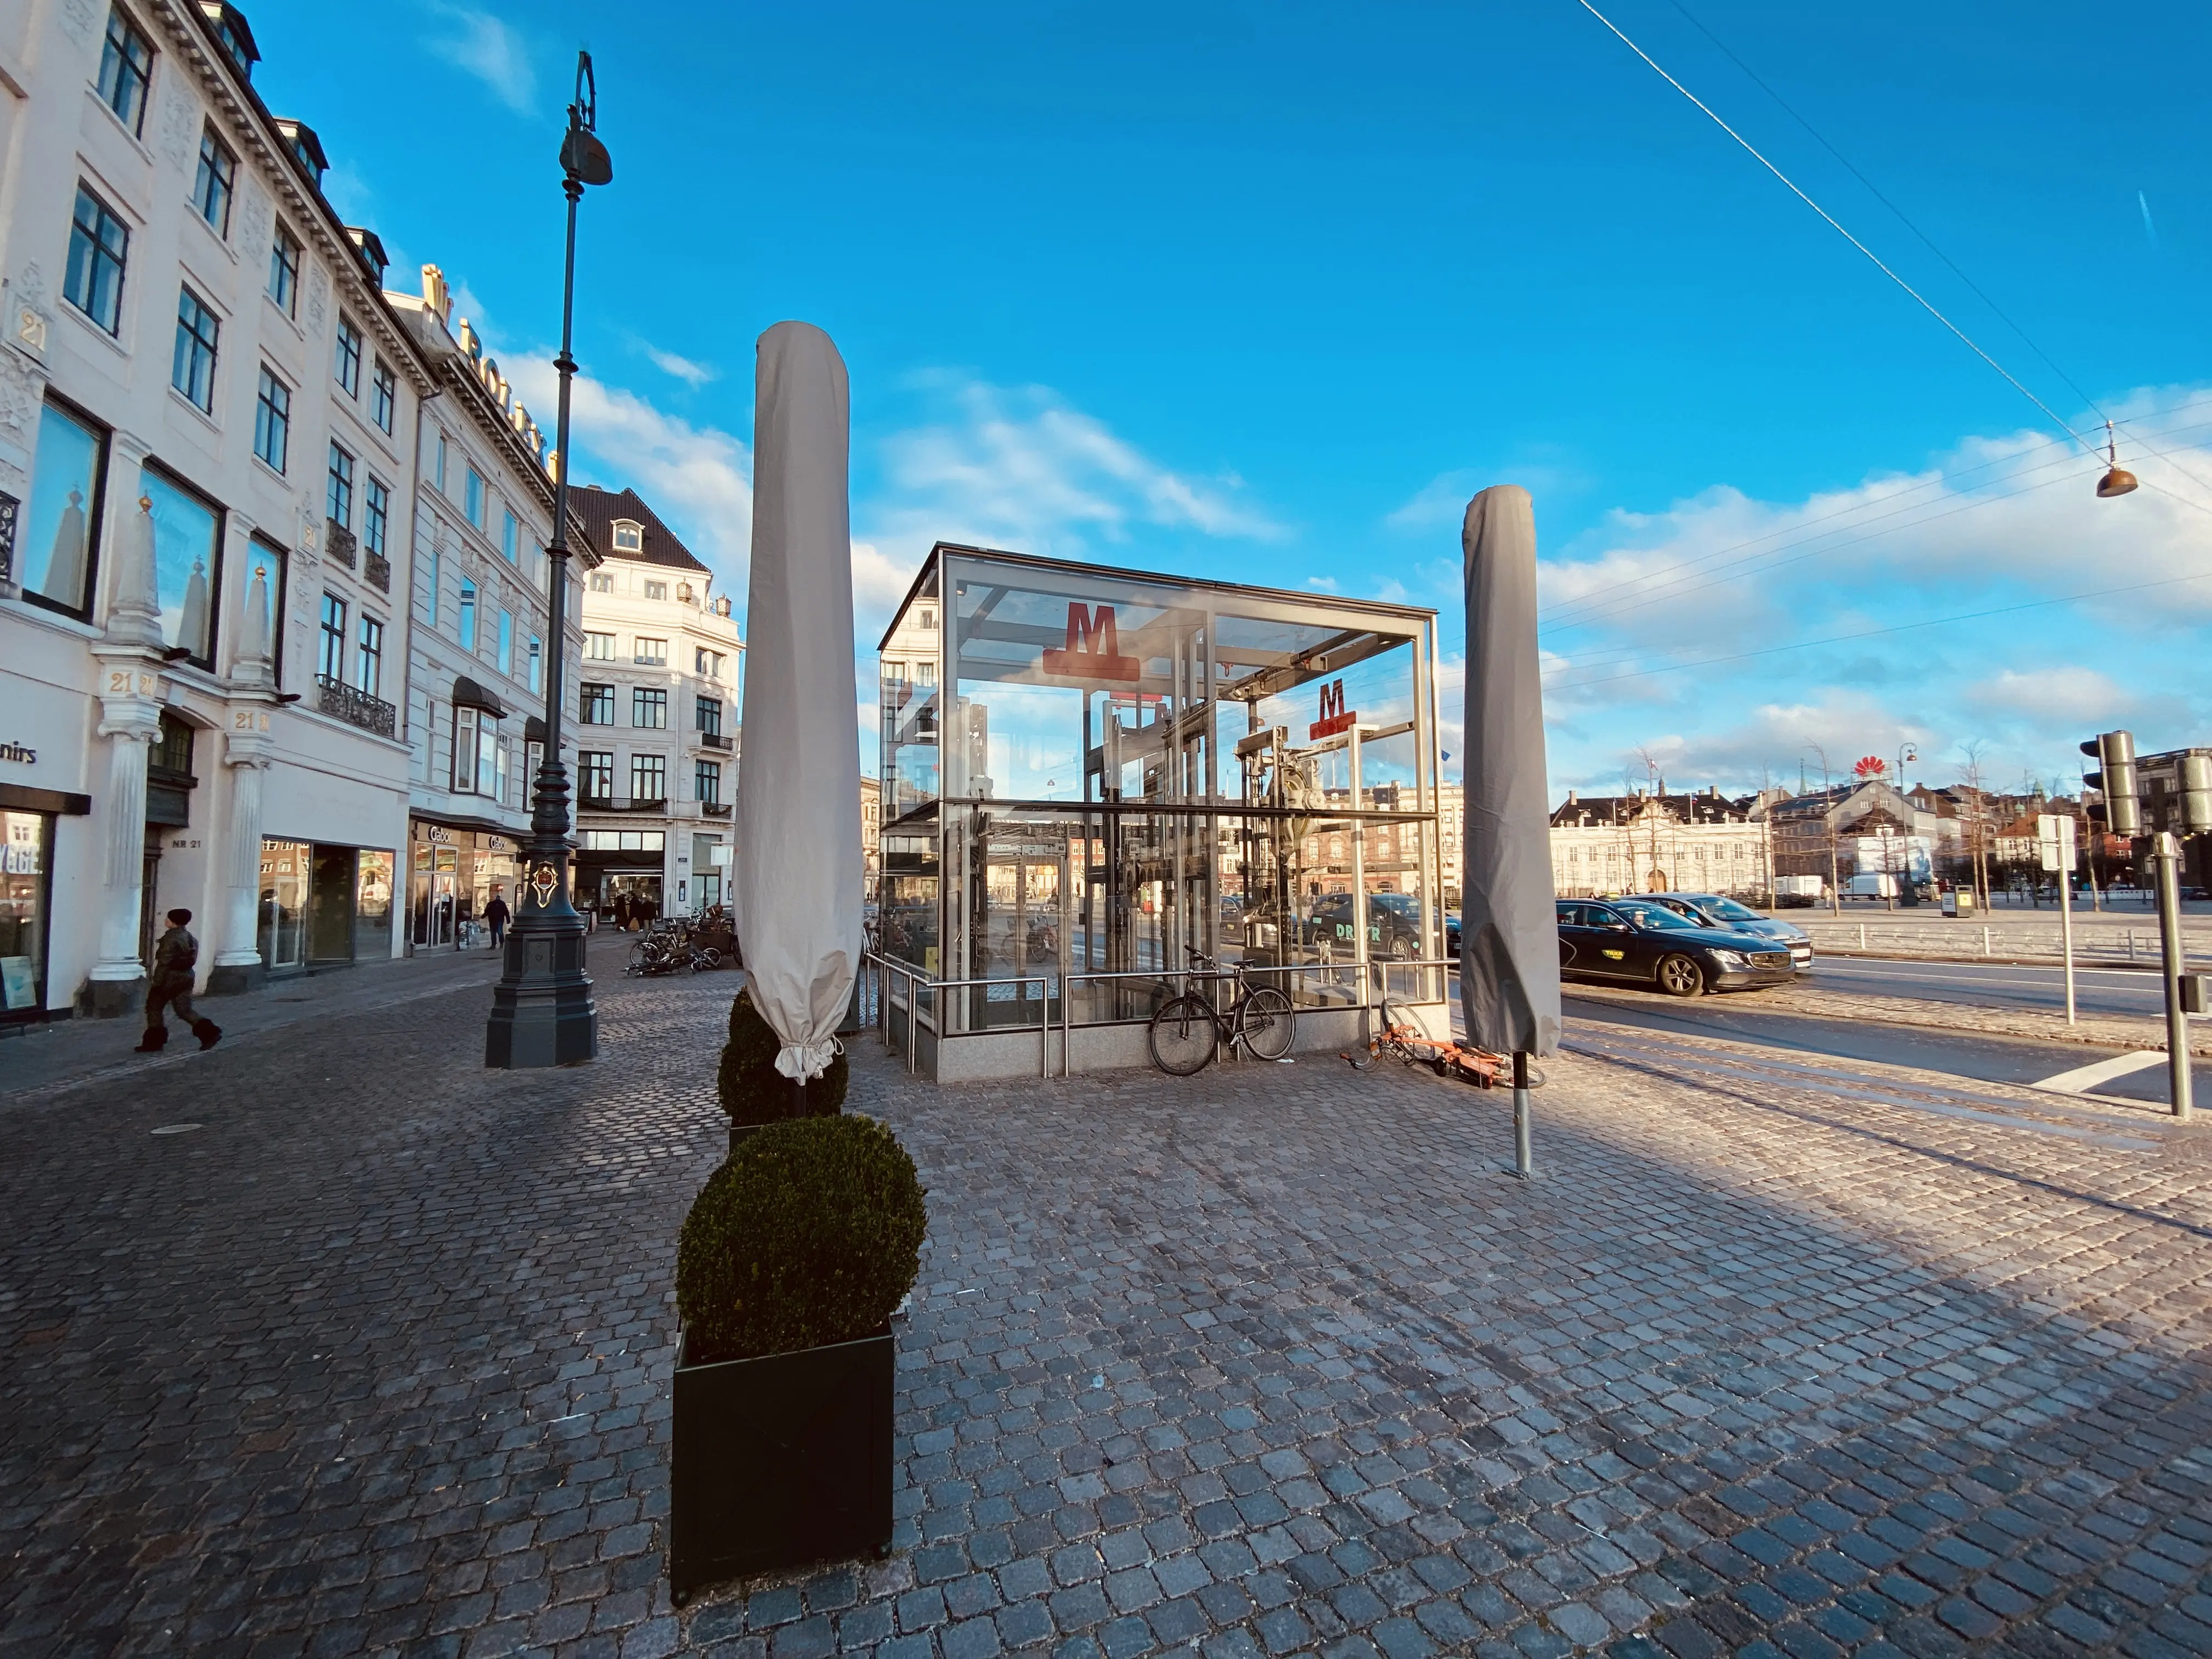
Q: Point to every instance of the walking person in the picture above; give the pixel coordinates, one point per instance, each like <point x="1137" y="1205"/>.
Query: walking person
<point x="622" y="913"/>
<point x="497" y="914"/>
<point x="176" y="956"/>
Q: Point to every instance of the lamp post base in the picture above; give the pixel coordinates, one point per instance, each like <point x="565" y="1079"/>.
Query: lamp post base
<point x="542" y="1010"/>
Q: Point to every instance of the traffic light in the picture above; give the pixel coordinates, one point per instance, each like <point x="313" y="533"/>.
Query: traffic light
<point x="2196" y="782"/>
<point x="2115" y="754"/>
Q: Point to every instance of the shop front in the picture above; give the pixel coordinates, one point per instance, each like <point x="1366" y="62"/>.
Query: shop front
<point x="323" y="906"/>
<point x="27" y="897"/>
<point x="454" y="870"/>
<point x="1089" y="774"/>
<point x="622" y="874"/>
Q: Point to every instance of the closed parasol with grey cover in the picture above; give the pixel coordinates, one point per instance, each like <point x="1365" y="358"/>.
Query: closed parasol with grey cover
<point x="1509" y="976"/>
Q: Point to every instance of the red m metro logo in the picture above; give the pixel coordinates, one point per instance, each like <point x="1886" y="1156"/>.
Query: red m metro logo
<point x="1333" y="719"/>
<point x="1094" y="648"/>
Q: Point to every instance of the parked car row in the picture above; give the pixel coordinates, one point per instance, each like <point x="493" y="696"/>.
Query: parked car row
<point x="1683" y="943"/>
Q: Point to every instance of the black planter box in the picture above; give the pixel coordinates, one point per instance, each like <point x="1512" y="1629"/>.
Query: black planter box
<point x="741" y="1132"/>
<point x="780" y="1460"/>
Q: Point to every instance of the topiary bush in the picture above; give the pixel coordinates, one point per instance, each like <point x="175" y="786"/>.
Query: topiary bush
<point x="809" y="1235"/>
<point x="752" y="1090"/>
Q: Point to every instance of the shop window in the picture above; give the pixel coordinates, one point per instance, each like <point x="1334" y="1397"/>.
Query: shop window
<point x="595" y="704"/>
<point x="59" y="532"/>
<point x="283" y="932"/>
<point x="26" y="904"/>
<point x="595" y="775"/>
<point x="648" y="779"/>
<point x="372" y="901"/>
<point x="648" y="709"/>
<point x="188" y="564"/>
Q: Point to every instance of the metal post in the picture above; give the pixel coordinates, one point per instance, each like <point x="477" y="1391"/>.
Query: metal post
<point x="1523" y="1161"/>
<point x="2066" y="935"/>
<point x="2167" y="855"/>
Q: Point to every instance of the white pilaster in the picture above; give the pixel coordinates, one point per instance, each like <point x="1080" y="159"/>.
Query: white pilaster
<point x="246" y="752"/>
<point x="128" y="663"/>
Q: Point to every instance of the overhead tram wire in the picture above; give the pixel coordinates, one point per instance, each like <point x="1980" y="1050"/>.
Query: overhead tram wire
<point x="1874" y="633"/>
<point x="1553" y="620"/>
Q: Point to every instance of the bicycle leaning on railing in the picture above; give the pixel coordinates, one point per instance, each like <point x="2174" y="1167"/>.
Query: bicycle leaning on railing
<point x="1185" y="1033"/>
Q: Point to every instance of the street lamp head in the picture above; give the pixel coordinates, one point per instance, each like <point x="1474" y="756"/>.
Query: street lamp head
<point x="583" y="157"/>
<point x="2118" y="480"/>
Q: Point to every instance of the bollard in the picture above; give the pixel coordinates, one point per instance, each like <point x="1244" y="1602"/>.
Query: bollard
<point x="1985" y="942"/>
<point x="1523" y="1160"/>
<point x="1862" y="937"/>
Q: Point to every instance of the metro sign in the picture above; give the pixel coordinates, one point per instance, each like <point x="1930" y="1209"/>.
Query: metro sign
<point x="1094" y="648"/>
<point x="1333" y="718"/>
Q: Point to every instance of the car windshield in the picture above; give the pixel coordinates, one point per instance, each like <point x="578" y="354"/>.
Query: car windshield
<point x="1728" y="910"/>
<point x="1657" y="918"/>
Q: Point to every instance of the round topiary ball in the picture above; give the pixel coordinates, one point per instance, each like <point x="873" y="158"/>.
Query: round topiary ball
<point x="809" y="1235"/>
<point x="752" y="1089"/>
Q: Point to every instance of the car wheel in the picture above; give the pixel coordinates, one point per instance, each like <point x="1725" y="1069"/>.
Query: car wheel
<point x="1678" y="976"/>
<point x="1401" y="948"/>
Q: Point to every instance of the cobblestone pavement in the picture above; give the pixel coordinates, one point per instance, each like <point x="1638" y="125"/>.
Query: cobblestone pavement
<point x="1772" y="1360"/>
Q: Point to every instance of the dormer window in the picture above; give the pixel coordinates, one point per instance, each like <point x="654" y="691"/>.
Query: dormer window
<point x="629" y="536"/>
<point x="237" y="39"/>
<point x="371" y="248"/>
<point x="306" y="149"/>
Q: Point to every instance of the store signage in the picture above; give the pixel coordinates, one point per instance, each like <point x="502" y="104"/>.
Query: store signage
<point x="1333" y="717"/>
<point x="17" y="753"/>
<point x="1094" y="648"/>
<point x="437" y="832"/>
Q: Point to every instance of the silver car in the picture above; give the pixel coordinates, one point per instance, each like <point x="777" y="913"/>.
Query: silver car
<point x="1711" y="910"/>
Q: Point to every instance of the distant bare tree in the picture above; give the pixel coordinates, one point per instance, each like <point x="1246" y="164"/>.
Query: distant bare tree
<point x="1976" y="815"/>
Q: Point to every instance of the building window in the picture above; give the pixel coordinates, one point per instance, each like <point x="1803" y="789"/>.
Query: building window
<point x="193" y="369"/>
<point x="629" y="538"/>
<point x="468" y="614"/>
<point x="600" y="647"/>
<point x="348" y="366"/>
<point x="99" y="248"/>
<point x="338" y="501"/>
<point x="127" y="70"/>
<point x="59" y="533"/>
<point x="648" y="778"/>
<point x="470" y="729"/>
<point x="368" y="657"/>
<point x="602" y="582"/>
<point x="651" y="654"/>
<point x="595" y="775"/>
<point x="376" y="515"/>
<point x="925" y="674"/>
<point x="709" y="711"/>
<point x="708" y="665"/>
<point x="507" y="642"/>
<point x="441" y="469"/>
<point x="273" y="419"/>
<point x="285" y="270"/>
<point x="648" y="709"/>
<point x="595" y="704"/>
<point x="384" y="396"/>
<point x="707" y="776"/>
<point x="537" y="666"/>
<point x="428" y="592"/>
<point x="474" y="501"/>
<point x="187" y="563"/>
<point x="330" y="665"/>
<point x="510" y="538"/>
<point x="533" y="757"/>
<point x="216" y="182"/>
<point x="656" y="590"/>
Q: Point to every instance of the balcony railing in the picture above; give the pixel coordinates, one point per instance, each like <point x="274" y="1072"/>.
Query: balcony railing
<point x="633" y="804"/>
<point x="714" y="740"/>
<point x="715" y="809"/>
<point x="339" y="541"/>
<point x="378" y="571"/>
<point x="356" y="707"/>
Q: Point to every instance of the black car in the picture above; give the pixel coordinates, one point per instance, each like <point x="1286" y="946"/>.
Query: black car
<point x="1393" y="926"/>
<point x="1639" y="941"/>
<point x="1713" y="910"/>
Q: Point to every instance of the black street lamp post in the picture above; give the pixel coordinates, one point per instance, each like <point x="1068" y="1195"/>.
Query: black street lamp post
<point x="542" y="1010"/>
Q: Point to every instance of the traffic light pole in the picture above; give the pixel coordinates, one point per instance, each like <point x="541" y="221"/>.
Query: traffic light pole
<point x="2165" y="857"/>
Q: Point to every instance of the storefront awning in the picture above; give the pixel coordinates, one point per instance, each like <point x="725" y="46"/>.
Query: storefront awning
<point x="467" y="694"/>
<point x="26" y="799"/>
<point x="533" y="730"/>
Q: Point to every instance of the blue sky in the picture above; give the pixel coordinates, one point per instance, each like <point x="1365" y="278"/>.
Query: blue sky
<point x="1265" y="292"/>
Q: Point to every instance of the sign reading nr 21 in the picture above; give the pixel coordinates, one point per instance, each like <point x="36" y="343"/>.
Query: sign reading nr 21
<point x="1334" y="717"/>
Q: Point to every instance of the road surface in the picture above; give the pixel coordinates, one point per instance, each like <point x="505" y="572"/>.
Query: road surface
<point x="1991" y="985"/>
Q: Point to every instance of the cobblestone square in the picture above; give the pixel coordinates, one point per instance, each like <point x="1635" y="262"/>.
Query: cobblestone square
<point x="1772" y="1360"/>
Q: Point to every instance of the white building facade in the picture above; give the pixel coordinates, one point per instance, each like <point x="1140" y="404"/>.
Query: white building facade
<point x="480" y="637"/>
<point x="199" y="378"/>
<point x="656" y="726"/>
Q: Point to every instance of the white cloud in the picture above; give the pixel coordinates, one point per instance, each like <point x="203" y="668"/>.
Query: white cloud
<point x="1442" y="501"/>
<point x="478" y="43"/>
<point x="693" y="374"/>
<point x="1020" y="467"/>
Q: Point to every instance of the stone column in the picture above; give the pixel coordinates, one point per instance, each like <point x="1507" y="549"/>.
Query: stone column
<point x="128" y="663"/>
<point x="246" y="752"/>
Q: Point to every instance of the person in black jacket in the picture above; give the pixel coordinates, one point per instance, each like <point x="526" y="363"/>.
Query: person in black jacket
<point x="176" y="955"/>
<point x="498" y="915"/>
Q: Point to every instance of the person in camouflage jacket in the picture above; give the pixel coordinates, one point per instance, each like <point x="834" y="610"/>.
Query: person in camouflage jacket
<point x="176" y="956"/>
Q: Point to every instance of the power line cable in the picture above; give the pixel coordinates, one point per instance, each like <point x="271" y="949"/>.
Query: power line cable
<point x="1873" y="633"/>
<point x="1753" y="151"/>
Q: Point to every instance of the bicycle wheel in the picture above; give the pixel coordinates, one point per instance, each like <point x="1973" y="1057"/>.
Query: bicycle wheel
<point x="1267" y="1022"/>
<point x="1183" y="1036"/>
<point x="1396" y="1031"/>
<point x="640" y="959"/>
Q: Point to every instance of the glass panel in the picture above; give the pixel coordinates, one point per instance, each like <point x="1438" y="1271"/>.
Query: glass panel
<point x="56" y="540"/>
<point x="329" y="905"/>
<point x="26" y="840"/>
<point x="283" y="935"/>
<point x="187" y="570"/>
<point x="372" y="927"/>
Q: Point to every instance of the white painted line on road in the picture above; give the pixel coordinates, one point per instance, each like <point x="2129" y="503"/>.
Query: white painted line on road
<point x="1871" y="968"/>
<point x="2082" y="1078"/>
